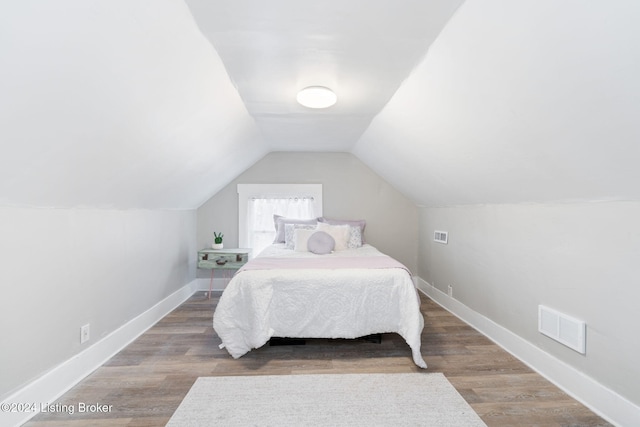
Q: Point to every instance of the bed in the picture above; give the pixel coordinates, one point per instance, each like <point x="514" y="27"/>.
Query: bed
<point x="289" y="293"/>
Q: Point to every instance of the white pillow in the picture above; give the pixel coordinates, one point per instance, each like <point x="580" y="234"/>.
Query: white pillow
<point x="290" y="241"/>
<point x="340" y="233"/>
<point x="301" y="237"/>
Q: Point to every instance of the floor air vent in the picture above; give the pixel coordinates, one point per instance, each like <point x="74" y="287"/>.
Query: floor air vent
<point x="562" y="328"/>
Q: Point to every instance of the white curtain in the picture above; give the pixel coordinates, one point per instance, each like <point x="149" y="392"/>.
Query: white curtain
<point x="260" y="226"/>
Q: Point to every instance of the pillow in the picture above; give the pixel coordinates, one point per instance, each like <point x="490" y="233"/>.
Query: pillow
<point x="289" y="234"/>
<point x="340" y="234"/>
<point x="279" y="222"/>
<point x="301" y="237"/>
<point x="320" y="243"/>
<point x="360" y="223"/>
<point x="355" y="237"/>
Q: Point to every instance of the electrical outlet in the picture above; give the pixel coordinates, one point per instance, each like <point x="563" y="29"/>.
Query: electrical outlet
<point x="84" y="333"/>
<point x="450" y="291"/>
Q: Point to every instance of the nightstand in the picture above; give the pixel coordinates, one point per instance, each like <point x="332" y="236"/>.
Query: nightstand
<point x="222" y="259"/>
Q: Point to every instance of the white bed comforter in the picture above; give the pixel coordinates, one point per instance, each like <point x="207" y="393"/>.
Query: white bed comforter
<point x="318" y="303"/>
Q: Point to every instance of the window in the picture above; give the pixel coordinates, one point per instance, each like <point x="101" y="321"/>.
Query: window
<point x="257" y="203"/>
<point x="260" y="211"/>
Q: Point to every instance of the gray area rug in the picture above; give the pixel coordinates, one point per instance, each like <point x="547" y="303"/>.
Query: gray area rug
<point x="412" y="399"/>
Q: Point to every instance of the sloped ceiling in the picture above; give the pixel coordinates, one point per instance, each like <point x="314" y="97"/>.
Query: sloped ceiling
<point x="116" y="104"/>
<point x="160" y="103"/>
<point x="527" y="101"/>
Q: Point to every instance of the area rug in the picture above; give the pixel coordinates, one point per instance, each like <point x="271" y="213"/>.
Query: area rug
<point x="412" y="399"/>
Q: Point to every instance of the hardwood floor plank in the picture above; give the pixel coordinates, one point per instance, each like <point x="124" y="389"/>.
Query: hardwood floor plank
<point x="146" y="381"/>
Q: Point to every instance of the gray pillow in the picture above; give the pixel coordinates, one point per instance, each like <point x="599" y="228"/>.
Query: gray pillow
<point x="321" y="243"/>
<point x="280" y="222"/>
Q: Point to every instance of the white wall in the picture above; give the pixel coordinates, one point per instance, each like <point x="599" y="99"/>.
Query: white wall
<point x="112" y="114"/>
<point x="518" y="135"/>
<point x="578" y="258"/>
<point x="64" y="268"/>
<point x="350" y="191"/>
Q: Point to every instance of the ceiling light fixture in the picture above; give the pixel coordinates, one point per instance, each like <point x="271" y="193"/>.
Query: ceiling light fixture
<point x="316" y="97"/>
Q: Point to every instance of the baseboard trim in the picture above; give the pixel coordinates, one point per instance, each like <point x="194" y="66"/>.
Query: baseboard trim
<point x="59" y="380"/>
<point x="603" y="401"/>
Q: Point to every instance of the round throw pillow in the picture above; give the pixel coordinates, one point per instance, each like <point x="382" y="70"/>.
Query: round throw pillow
<point x="321" y="243"/>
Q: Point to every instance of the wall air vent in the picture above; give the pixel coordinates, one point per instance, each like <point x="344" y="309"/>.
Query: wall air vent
<point x="562" y="328"/>
<point x="441" y="237"/>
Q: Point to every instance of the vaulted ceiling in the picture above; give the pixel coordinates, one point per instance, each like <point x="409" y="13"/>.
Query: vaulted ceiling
<point x="362" y="49"/>
<point x="160" y="103"/>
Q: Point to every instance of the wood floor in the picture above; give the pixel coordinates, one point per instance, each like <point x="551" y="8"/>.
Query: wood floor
<point x="145" y="383"/>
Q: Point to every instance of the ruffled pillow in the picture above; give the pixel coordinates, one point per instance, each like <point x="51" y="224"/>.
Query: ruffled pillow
<point x="320" y="243"/>
<point x="340" y="234"/>
<point x="360" y="223"/>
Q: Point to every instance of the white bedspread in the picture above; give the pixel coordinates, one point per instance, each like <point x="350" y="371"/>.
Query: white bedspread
<point x="318" y="303"/>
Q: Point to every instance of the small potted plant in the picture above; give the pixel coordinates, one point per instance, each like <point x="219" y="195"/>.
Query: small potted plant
<point x="217" y="241"/>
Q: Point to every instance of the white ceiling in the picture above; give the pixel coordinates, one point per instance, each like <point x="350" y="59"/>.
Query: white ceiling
<point x="362" y="49"/>
<point x="160" y="103"/>
<point x="526" y="101"/>
<point x="115" y="104"/>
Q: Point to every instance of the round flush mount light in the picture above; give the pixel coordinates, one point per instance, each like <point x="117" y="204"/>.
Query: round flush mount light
<point x="316" y="97"/>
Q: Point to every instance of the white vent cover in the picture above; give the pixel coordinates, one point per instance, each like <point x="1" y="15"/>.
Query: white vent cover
<point x="562" y="328"/>
<point x="440" y="236"/>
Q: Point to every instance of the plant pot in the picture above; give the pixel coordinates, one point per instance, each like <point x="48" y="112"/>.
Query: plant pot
<point x="217" y="246"/>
